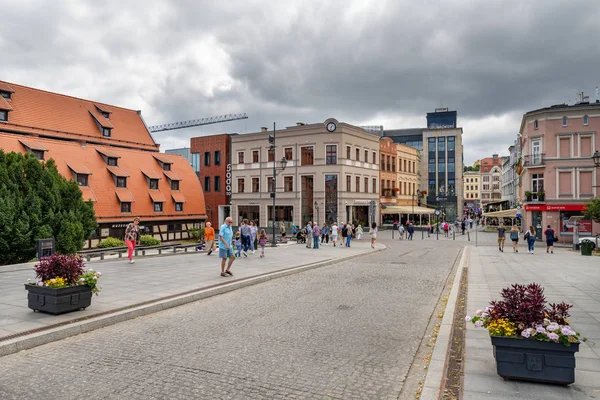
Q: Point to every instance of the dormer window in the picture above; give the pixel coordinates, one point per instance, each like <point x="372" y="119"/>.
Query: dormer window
<point x="113" y="162"/>
<point x="153" y="183"/>
<point x="179" y="207"/>
<point x="106" y="132"/>
<point x="3" y="115"/>
<point x="5" y="94"/>
<point x="158" y="207"/>
<point x="39" y="154"/>
<point x="126" y="207"/>
<point x="105" y="114"/>
<point x="121" y="182"/>
<point x="174" y="185"/>
<point x="82" y="179"/>
<point x="166" y="167"/>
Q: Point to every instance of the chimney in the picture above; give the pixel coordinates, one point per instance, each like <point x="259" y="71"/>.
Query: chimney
<point x="495" y="155"/>
<point x="264" y="129"/>
<point x="300" y="124"/>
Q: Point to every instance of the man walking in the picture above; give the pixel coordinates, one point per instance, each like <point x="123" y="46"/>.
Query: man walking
<point x="501" y="238"/>
<point x="225" y="248"/>
<point x="246" y="232"/>
<point x="209" y="237"/>
<point x="316" y="235"/>
<point x="309" y="235"/>
<point x="411" y="230"/>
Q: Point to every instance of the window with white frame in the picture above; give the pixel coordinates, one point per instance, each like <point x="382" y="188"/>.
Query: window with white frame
<point x="535" y="124"/>
<point x="585" y="120"/>
<point x="564" y="121"/>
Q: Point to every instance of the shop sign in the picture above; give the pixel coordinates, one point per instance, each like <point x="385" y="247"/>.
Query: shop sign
<point x="228" y="182"/>
<point x="555" y="207"/>
<point x="366" y="202"/>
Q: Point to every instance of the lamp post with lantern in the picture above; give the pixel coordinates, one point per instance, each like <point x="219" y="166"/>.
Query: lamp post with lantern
<point x="274" y="187"/>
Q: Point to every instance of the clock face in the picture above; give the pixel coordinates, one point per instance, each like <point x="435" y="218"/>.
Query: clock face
<point x="331" y="127"/>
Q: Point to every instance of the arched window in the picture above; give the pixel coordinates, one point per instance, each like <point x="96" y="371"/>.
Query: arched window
<point x="585" y="119"/>
<point x="564" y="121"/>
<point x="535" y="124"/>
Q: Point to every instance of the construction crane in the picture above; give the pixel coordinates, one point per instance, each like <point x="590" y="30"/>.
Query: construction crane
<point x="197" y="122"/>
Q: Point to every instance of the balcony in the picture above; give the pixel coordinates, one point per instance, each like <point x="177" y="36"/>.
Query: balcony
<point x="390" y="193"/>
<point x="534" y="160"/>
<point x="533" y="197"/>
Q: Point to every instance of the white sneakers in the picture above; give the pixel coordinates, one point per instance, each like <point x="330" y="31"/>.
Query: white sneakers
<point x="131" y="262"/>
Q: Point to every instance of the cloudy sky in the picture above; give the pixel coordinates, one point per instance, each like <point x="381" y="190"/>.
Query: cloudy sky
<point x="363" y="62"/>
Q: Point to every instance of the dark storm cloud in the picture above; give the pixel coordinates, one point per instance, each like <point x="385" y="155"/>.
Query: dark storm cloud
<point x="288" y="61"/>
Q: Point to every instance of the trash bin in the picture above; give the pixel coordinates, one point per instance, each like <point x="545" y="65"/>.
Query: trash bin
<point x="586" y="248"/>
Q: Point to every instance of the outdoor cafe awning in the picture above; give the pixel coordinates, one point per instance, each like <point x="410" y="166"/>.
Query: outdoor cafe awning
<point x="502" y="214"/>
<point x="406" y="210"/>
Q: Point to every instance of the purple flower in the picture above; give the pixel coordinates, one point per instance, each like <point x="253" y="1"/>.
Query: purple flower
<point x="526" y="333"/>
<point x="553" y="327"/>
<point x="553" y="336"/>
<point x="468" y="319"/>
<point x="566" y="330"/>
<point x="479" y="324"/>
<point x="540" y="329"/>
<point x="479" y="312"/>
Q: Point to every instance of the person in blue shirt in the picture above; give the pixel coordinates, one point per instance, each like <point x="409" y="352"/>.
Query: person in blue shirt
<point x="225" y="246"/>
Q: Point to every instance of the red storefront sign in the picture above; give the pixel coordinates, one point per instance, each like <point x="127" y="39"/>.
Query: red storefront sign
<point x="554" y="207"/>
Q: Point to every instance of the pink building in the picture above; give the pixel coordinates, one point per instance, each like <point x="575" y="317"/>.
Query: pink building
<point x="558" y="175"/>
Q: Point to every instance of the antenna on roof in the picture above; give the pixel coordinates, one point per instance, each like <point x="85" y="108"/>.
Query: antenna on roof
<point x="597" y="95"/>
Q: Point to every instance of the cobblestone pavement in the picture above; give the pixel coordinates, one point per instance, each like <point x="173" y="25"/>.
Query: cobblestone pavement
<point x="348" y="331"/>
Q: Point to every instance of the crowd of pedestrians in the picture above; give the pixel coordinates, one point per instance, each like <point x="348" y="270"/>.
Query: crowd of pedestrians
<point x="528" y="237"/>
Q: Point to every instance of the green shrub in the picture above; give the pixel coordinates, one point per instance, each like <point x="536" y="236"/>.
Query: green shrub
<point x="149" y="240"/>
<point x="196" y="234"/>
<point x="111" y="242"/>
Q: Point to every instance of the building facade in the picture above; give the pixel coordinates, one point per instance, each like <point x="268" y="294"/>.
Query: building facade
<point x="472" y="188"/>
<point x="490" y="169"/>
<point x="212" y="155"/>
<point x="510" y="177"/>
<point x="325" y="172"/>
<point x="558" y="175"/>
<point x="110" y="153"/>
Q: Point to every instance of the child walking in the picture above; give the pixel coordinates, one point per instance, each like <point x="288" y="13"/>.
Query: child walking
<point x="262" y="242"/>
<point x="238" y="244"/>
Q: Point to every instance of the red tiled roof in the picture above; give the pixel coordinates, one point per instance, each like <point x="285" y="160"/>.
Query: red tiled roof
<point x="58" y="115"/>
<point x="124" y="195"/>
<point x="157" y="196"/>
<point x="101" y="120"/>
<point x="163" y="158"/>
<point x="5" y="87"/>
<point x="82" y="170"/>
<point x="178" y="197"/>
<point x="103" y="109"/>
<point x="172" y="175"/>
<point x="88" y="194"/>
<point x="151" y="174"/>
<point x="116" y="171"/>
<point x="4" y="104"/>
<point x="33" y="145"/>
<point x="101" y="182"/>
<point x="106" y="152"/>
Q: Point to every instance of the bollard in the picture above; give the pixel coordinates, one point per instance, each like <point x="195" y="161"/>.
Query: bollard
<point x="468" y="236"/>
<point x="454" y="234"/>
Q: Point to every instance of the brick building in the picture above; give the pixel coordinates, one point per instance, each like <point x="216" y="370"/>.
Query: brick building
<point x="110" y="153"/>
<point x="213" y="154"/>
<point x="490" y="169"/>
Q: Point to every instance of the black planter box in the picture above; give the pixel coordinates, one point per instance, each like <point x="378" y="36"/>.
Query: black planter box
<point x="532" y="360"/>
<point x="58" y="301"/>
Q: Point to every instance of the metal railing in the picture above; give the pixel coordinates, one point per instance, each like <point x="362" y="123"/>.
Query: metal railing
<point x="533" y="160"/>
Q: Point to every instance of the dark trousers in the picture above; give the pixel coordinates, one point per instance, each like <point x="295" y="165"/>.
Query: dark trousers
<point x="325" y="238"/>
<point x="245" y="242"/>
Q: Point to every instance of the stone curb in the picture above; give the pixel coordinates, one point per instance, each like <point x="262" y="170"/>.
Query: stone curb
<point x="62" y="332"/>
<point x="436" y="371"/>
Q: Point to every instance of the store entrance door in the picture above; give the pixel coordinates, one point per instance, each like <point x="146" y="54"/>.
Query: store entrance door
<point x="536" y="217"/>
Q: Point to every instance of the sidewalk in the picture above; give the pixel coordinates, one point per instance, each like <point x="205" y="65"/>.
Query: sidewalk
<point x="566" y="276"/>
<point x="152" y="279"/>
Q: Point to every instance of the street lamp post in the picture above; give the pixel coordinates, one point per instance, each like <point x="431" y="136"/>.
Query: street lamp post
<point x="274" y="187"/>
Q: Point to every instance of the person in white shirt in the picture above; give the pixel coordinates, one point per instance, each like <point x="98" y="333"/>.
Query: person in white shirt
<point x="334" y="233"/>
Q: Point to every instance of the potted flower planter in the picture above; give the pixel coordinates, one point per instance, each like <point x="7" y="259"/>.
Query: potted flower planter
<point x="58" y="300"/>
<point x="533" y="360"/>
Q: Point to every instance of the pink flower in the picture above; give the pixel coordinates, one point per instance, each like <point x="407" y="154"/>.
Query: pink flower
<point x="526" y="333"/>
<point x="553" y="336"/>
<point x="479" y="324"/>
<point x="468" y="319"/>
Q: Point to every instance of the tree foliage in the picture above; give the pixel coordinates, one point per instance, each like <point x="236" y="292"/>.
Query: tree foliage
<point x="468" y="168"/>
<point x="592" y="209"/>
<point x="36" y="202"/>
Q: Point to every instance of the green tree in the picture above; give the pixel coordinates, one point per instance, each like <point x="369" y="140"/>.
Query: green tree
<point x="36" y="202"/>
<point x="592" y="209"/>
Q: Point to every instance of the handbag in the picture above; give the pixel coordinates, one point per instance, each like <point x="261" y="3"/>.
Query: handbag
<point x="555" y="239"/>
<point x="527" y="235"/>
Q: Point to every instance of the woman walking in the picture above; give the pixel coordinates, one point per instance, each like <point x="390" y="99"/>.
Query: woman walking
<point x="132" y="237"/>
<point x="373" y="234"/>
<point x="530" y="238"/>
<point x="209" y="237"/>
<point x="359" y="231"/>
<point x="325" y="234"/>
<point x="246" y="233"/>
<point x="514" y="236"/>
<point x="282" y="231"/>
<point x="253" y="234"/>
<point x="550" y="239"/>
<point x="262" y="242"/>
